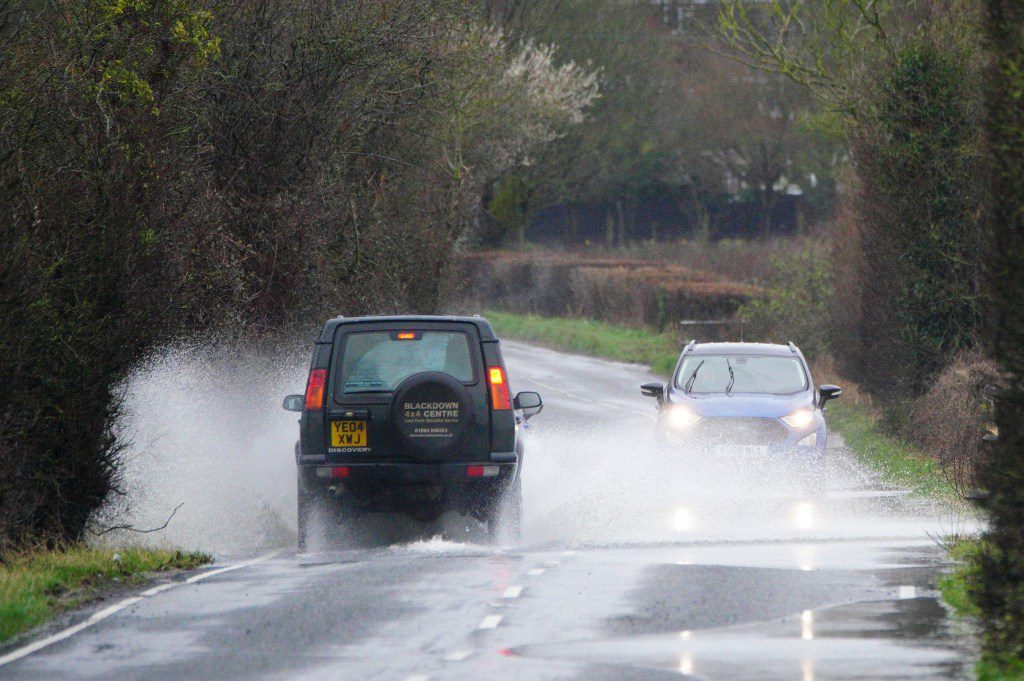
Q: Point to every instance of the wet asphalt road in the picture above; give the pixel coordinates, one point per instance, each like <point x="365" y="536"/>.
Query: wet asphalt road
<point x="633" y="566"/>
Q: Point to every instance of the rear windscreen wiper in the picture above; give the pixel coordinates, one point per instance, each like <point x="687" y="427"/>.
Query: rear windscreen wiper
<point x="732" y="377"/>
<point x="693" y="377"/>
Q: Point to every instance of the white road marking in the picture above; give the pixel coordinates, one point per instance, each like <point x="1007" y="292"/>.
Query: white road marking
<point x="512" y="592"/>
<point x="98" y="617"/>
<point x="219" y="571"/>
<point x="457" y="656"/>
<point x="490" y="622"/>
<point x="568" y="553"/>
<point x="417" y="677"/>
<point x="908" y="592"/>
<point x="535" y="572"/>
<point x="69" y="632"/>
<point x="552" y="563"/>
<point x="157" y="589"/>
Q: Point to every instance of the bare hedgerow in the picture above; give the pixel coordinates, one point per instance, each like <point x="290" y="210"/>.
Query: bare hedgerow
<point x="950" y="419"/>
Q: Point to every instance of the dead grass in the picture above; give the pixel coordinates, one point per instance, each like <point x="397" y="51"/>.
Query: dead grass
<point x="629" y="291"/>
<point x="825" y="372"/>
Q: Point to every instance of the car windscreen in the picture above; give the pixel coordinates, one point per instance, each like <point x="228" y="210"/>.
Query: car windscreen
<point x="378" y="361"/>
<point x="757" y="374"/>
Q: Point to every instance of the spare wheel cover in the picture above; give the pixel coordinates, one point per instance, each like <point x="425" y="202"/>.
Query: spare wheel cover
<point x="429" y="414"/>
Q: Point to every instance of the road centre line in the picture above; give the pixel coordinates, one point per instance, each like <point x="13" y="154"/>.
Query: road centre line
<point x="512" y="592"/>
<point x="490" y="622"/>
<point x="535" y="572"/>
<point x="103" y="614"/>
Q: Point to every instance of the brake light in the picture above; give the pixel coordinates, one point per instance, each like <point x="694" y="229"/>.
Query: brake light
<point x="482" y="471"/>
<point x="340" y="472"/>
<point x="407" y="335"/>
<point x="315" y="389"/>
<point x="500" y="397"/>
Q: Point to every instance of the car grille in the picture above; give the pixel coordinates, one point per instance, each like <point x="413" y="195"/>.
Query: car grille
<point x="740" y="431"/>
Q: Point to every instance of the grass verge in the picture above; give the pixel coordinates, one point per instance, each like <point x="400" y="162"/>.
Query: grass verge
<point x="600" y="339"/>
<point x="37" y="585"/>
<point x="899" y="462"/>
<point x="957" y="588"/>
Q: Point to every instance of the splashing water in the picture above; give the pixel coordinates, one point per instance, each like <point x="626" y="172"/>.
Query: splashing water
<point x="208" y="436"/>
<point x="207" y="433"/>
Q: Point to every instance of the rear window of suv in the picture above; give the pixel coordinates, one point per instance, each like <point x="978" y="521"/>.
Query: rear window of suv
<point x="378" y="361"/>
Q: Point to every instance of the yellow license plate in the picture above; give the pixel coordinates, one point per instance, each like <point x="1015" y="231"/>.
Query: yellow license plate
<point x="348" y="433"/>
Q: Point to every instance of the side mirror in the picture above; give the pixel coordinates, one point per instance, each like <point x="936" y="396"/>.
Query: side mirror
<point x="294" y="402"/>
<point x="655" y="390"/>
<point x="529" y="403"/>
<point x="828" y="392"/>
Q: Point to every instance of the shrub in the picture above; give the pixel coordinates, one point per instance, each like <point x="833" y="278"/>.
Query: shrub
<point x="949" y="420"/>
<point x="797" y="304"/>
<point x="920" y="219"/>
<point x="1001" y="596"/>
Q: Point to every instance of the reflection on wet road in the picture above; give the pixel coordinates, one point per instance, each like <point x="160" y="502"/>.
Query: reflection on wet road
<point x="634" y="565"/>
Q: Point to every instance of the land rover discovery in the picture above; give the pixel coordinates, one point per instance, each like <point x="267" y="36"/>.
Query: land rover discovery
<point x="409" y="414"/>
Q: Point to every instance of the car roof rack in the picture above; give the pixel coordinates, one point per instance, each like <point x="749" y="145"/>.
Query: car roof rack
<point x="689" y="346"/>
<point x="792" y="348"/>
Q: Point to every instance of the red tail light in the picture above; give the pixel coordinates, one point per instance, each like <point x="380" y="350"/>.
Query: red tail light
<point x="315" y="389"/>
<point x="500" y="398"/>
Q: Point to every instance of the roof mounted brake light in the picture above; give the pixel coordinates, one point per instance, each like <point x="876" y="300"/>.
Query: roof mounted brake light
<point x="315" y="389"/>
<point x="500" y="397"/>
<point x="406" y="335"/>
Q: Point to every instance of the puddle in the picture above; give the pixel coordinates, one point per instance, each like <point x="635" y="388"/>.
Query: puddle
<point x="906" y="639"/>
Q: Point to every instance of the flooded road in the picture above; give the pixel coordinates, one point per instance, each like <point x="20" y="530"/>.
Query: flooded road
<point x="634" y="564"/>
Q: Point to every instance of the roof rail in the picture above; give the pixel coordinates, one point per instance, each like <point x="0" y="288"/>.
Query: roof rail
<point x="792" y="348"/>
<point x="689" y="346"/>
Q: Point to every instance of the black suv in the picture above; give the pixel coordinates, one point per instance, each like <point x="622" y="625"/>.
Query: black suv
<point x="409" y="414"/>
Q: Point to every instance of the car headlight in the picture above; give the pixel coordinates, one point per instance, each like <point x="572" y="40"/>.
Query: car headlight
<point x="681" y="418"/>
<point x="801" y="418"/>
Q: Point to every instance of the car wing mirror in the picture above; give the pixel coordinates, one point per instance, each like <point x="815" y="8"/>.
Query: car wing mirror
<point x="655" y="390"/>
<point x="294" y="402"/>
<point x="529" y="403"/>
<point x="828" y="392"/>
